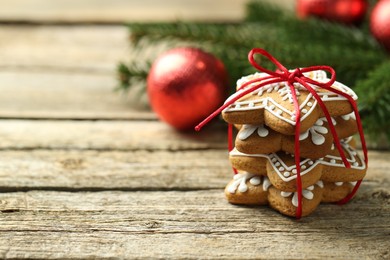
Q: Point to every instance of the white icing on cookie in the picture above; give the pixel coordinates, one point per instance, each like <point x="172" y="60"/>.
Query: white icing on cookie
<point x="285" y="93"/>
<point x="266" y="183"/>
<point x="307" y="165"/>
<point x="265" y="102"/>
<point x="248" y="130"/>
<point x="349" y="116"/>
<point x="306" y="193"/>
<point x="317" y="132"/>
<point x="240" y="179"/>
<point x="320" y="184"/>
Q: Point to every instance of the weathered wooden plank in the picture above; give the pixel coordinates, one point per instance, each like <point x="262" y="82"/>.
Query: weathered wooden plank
<point x="131" y="171"/>
<point x="93" y="170"/>
<point x="106" y="135"/>
<point x="72" y="48"/>
<point x="187" y="225"/>
<point x="65" y="72"/>
<point x="62" y="95"/>
<point x="120" y="10"/>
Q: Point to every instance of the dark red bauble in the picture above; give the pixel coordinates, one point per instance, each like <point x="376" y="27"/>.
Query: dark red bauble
<point x="185" y="85"/>
<point x="380" y="22"/>
<point x="343" y="11"/>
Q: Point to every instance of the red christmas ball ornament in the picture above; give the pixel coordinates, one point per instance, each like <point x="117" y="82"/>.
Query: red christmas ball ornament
<point x="343" y="11"/>
<point x="380" y="22"/>
<point x="185" y="85"/>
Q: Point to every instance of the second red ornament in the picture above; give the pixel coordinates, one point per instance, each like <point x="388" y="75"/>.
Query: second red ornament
<point x="343" y="11"/>
<point x="380" y="23"/>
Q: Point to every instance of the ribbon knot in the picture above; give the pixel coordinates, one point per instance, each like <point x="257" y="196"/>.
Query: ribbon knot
<point x="292" y="75"/>
<point x="297" y="76"/>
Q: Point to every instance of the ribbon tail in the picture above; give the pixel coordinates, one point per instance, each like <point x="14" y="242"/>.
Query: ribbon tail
<point x="329" y="119"/>
<point x="297" y="151"/>
<point x="235" y="97"/>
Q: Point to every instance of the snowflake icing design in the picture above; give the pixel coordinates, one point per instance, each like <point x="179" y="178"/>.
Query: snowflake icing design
<point x="240" y="179"/>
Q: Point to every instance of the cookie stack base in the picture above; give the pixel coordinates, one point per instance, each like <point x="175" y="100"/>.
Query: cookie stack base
<point x="252" y="189"/>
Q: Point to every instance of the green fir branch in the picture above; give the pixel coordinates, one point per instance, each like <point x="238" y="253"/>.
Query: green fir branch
<point x="351" y="51"/>
<point x="374" y="100"/>
<point x="127" y="74"/>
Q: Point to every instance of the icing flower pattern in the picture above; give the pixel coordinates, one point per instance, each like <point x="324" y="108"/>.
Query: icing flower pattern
<point x="240" y="179"/>
<point x="248" y="130"/>
<point x="316" y="131"/>
<point x="306" y="193"/>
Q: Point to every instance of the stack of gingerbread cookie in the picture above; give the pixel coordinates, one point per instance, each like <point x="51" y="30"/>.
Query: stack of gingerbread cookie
<point x="264" y="146"/>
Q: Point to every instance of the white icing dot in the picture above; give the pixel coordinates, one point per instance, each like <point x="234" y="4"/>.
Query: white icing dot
<point x="339" y="183"/>
<point x="321" y="159"/>
<point x="274" y="159"/>
<point x="304" y="110"/>
<point x="286" y="174"/>
<point x="266" y="184"/>
<point x="272" y="107"/>
<point x="319" y="122"/>
<point x="325" y="97"/>
<point x="294" y="200"/>
<point x="294" y="171"/>
<point x="303" y="167"/>
<point x="307" y="194"/>
<point x="262" y="131"/>
<point x="333" y="161"/>
<point x="353" y="183"/>
<point x="238" y="105"/>
<point x="242" y="188"/>
<point x="255" y="181"/>
<point x="309" y="104"/>
<point x="354" y="153"/>
<point x="277" y="164"/>
<point x="251" y="104"/>
<point x="310" y="187"/>
<point x="281" y="168"/>
<point x="320" y="184"/>
<point x="279" y="112"/>
<point x="310" y="162"/>
<point x="232" y="189"/>
<point x="285" y="193"/>
<point x="237" y="176"/>
<point x="269" y="90"/>
<point x="355" y="164"/>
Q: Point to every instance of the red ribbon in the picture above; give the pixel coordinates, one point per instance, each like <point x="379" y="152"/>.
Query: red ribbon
<point x="284" y="75"/>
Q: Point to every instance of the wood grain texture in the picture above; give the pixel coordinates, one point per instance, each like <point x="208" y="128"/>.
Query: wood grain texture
<point x="84" y="175"/>
<point x="94" y="170"/>
<point x="172" y="224"/>
<point x="132" y="171"/>
<point x="67" y="48"/>
<point x="106" y="135"/>
<point x="62" y="95"/>
<point x="116" y="11"/>
<point x="65" y="72"/>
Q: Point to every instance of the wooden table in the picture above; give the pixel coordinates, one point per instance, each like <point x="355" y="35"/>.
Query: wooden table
<point x="84" y="175"/>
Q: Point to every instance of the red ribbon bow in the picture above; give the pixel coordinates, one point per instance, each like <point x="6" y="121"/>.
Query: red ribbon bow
<point x="284" y="75"/>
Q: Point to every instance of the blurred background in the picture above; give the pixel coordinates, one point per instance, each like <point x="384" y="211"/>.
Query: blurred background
<point x="118" y="11"/>
<point x="89" y="59"/>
